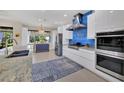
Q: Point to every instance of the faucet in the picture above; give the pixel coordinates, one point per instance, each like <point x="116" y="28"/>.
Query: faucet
<point x="7" y="44"/>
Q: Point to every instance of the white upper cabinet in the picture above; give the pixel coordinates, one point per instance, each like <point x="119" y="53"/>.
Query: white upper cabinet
<point x="60" y="29"/>
<point x="91" y="26"/>
<point x="106" y="20"/>
<point x="66" y="34"/>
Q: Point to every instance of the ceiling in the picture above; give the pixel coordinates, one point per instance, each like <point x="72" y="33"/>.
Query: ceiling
<point x="48" y="18"/>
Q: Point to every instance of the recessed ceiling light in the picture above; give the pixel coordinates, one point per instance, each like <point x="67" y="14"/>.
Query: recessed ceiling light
<point x="65" y="15"/>
<point x="39" y="20"/>
<point x="43" y="11"/>
<point x="111" y="11"/>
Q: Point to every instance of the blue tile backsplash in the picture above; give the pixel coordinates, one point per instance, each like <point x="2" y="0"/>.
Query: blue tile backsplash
<point x="80" y="35"/>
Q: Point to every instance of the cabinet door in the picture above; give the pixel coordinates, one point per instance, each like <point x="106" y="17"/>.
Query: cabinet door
<point x="116" y="20"/>
<point x="102" y="21"/>
<point x="65" y="41"/>
<point x="91" y="26"/>
<point x="67" y="34"/>
<point x="109" y="20"/>
<point x="60" y="29"/>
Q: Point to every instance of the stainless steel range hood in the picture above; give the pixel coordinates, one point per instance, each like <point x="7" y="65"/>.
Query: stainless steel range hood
<point x="76" y="23"/>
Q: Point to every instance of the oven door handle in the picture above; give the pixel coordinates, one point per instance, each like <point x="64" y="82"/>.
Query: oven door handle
<point x="110" y="36"/>
<point x="104" y="54"/>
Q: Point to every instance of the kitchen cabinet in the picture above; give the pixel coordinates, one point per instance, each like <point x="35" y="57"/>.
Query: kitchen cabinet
<point x="107" y="20"/>
<point x="60" y="29"/>
<point x="66" y="34"/>
<point x="85" y="58"/>
<point x="91" y="26"/>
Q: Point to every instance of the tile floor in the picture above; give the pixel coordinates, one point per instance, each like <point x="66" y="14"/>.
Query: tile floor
<point x="80" y="76"/>
<point x="44" y="56"/>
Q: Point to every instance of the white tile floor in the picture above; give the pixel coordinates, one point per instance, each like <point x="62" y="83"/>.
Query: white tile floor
<point x="43" y="56"/>
<point x="80" y="76"/>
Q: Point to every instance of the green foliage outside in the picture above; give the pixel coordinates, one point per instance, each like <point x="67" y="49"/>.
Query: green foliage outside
<point x="6" y="37"/>
<point x="38" y="38"/>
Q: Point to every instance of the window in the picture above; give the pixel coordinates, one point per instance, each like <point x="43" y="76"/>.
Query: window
<point x="39" y="38"/>
<point x="5" y="37"/>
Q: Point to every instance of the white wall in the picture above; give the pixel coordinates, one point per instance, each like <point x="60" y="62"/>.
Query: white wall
<point x="53" y="39"/>
<point x="17" y="28"/>
<point x="25" y="36"/>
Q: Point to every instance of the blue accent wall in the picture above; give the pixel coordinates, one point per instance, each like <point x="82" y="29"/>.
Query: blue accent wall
<point x="80" y="35"/>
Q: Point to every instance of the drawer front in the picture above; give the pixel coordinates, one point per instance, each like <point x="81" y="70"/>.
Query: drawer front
<point x="80" y="60"/>
<point x="84" y="54"/>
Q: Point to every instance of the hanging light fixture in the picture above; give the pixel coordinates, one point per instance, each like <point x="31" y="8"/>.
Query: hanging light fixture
<point x="42" y="27"/>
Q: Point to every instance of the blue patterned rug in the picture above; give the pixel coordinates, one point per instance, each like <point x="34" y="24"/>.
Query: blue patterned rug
<point x="55" y="69"/>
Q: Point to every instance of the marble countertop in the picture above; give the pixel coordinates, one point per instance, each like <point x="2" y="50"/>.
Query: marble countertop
<point x="15" y="69"/>
<point x="14" y="59"/>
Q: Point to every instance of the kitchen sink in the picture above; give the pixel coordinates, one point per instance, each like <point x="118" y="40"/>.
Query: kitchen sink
<point x="19" y="53"/>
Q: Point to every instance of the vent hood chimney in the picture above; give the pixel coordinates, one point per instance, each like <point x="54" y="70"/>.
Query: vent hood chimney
<point x="76" y="23"/>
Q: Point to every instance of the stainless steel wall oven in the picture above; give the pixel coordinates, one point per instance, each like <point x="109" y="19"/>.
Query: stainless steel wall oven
<point x="110" y="53"/>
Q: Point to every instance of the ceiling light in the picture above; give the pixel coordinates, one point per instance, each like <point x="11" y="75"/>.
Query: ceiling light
<point x="39" y="20"/>
<point x="111" y="11"/>
<point x="65" y="15"/>
<point x="43" y="11"/>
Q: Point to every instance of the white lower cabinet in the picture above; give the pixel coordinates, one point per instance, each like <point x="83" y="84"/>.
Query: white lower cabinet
<point x="81" y="57"/>
<point x="87" y="59"/>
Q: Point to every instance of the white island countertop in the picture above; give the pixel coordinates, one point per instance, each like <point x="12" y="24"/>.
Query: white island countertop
<point x="15" y="69"/>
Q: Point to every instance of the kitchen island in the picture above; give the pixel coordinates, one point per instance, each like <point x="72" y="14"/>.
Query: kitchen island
<point x="42" y="47"/>
<point x="16" y="69"/>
